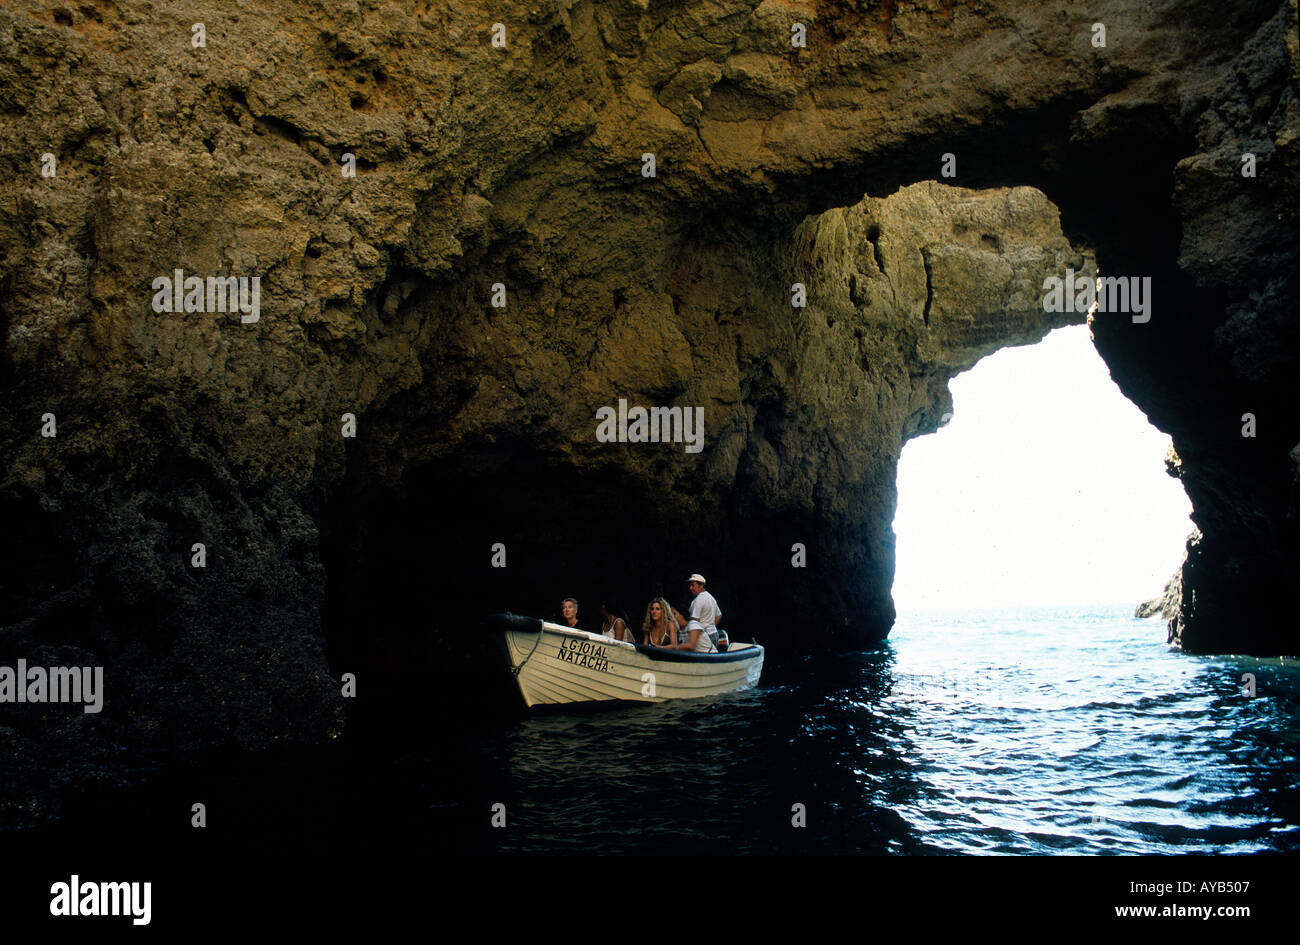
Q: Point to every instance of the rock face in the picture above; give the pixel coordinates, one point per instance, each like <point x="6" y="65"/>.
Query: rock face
<point x="1168" y="603"/>
<point x="525" y="166"/>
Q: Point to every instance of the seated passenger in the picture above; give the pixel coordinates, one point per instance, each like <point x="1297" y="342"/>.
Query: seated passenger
<point x="569" y="613"/>
<point x="705" y="613"/>
<point x="662" y="625"/>
<point x="613" y="624"/>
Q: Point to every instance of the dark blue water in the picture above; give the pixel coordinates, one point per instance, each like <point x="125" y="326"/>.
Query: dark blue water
<point x="1030" y="731"/>
<point x="1013" y="732"/>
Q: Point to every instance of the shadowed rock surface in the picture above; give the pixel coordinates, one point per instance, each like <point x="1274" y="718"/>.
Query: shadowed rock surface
<point x="523" y="166"/>
<point x="1169" y="601"/>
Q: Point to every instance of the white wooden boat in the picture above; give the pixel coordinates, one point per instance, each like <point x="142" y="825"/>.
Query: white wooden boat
<point x="554" y="664"/>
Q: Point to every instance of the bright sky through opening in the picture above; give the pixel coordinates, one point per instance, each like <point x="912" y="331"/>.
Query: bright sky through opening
<point x="1048" y="486"/>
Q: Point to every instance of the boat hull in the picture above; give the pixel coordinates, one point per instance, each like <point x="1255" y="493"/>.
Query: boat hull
<point x="554" y="665"/>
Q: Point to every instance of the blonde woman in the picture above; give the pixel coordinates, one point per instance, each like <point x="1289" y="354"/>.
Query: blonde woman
<point x="662" y="625"/>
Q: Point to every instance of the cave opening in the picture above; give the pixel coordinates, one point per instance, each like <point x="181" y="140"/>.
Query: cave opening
<point x="1046" y="488"/>
<point x="408" y="554"/>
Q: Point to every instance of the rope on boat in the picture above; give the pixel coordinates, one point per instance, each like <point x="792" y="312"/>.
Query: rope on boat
<point x="515" y="670"/>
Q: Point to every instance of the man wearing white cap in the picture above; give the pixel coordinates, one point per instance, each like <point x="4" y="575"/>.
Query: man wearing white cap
<point x="705" y="614"/>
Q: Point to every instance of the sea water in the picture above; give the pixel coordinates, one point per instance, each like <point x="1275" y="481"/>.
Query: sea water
<point x="1027" y="731"/>
<point x="1030" y="731"/>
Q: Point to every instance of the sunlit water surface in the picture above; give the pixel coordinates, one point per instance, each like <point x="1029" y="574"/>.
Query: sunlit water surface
<point x="1028" y="731"/>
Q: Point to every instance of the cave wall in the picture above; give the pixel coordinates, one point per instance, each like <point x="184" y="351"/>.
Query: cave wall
<point x="805" y="411"/>
<point x="522" y="165"/>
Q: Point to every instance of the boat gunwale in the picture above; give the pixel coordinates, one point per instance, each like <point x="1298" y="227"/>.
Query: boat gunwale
<point x="743" y="651"/>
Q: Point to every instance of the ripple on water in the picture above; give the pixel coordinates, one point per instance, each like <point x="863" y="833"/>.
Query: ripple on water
<point x="1002" y="733"/>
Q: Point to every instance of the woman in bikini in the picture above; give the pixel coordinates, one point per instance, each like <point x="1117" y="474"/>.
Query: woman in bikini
<point x="662" y="624"/>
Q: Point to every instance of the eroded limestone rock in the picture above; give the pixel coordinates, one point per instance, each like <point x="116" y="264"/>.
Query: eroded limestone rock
<point x="479" y="165"/>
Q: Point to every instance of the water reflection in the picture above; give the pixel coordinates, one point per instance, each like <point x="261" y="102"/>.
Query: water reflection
<point x="1054" y="732"/>
<point x="987" y="733"/>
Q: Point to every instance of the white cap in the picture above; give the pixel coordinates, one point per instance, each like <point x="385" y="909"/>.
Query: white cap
<point x="696" y="577"/>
